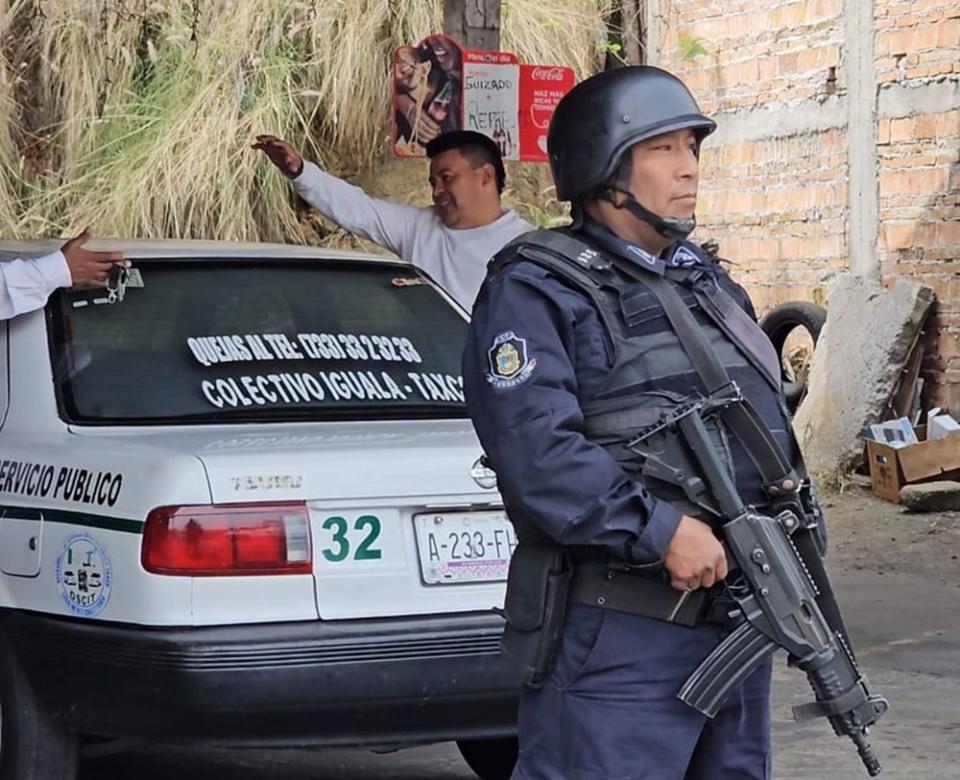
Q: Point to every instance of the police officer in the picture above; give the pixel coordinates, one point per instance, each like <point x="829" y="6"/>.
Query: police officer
<point x="569" y="350"/>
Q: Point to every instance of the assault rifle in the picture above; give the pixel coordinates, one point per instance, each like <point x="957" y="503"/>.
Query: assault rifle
<point x="777" y="579"/>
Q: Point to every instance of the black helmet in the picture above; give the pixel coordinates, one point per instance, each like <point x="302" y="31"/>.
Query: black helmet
<point x="603" y="116"/>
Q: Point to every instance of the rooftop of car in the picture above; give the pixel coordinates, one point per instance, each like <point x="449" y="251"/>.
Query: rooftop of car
<point x="184" y="248"/>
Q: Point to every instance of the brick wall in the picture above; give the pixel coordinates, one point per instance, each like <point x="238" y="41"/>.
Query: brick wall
<point x="779" y="78"/>
<point x="757" y="52"/>
<point x="918" y="50"/>
<point x="775" y="198"/>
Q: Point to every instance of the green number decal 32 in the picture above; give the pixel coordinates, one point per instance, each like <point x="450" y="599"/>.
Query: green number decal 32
<point x="365" y="550"/>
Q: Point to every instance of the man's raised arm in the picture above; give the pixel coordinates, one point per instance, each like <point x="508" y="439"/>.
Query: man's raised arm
<point x="391" y="225"/>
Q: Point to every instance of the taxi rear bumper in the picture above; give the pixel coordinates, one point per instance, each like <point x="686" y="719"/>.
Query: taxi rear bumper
<point x="363" y="682"/>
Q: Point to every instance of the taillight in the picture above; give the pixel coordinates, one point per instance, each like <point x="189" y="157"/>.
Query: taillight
<point x="228" y="539"/>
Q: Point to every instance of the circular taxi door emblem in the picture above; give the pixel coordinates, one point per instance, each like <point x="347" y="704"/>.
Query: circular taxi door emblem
<point x="84" y="576"/>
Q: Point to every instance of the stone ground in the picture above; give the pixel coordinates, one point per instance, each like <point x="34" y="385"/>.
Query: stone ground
<point x="898" y="577"/>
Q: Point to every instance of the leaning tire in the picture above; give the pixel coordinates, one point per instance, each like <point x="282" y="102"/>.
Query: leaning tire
<point x="490" y="759"/>
<point x="778" y="324"/>
<point x="32" y="747"/>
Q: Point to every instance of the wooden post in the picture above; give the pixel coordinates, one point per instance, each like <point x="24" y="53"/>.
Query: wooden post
<point x="633" y="38"/>
<point x="630" y="32"/>
<point x="475" y="23"/>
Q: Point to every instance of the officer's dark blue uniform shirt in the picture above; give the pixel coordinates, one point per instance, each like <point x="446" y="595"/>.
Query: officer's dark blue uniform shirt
<point x="536" y="352"/>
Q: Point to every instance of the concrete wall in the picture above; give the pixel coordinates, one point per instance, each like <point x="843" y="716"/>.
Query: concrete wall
<point x="838" y="144"/>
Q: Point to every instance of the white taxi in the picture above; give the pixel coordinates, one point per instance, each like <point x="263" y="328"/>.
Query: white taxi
<point x="241" y="504"/>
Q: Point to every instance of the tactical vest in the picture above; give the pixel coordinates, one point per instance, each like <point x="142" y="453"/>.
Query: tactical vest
<point x="651" y="371"/>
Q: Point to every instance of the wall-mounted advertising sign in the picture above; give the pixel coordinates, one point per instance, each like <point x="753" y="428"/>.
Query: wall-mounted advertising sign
<point x="438" y="87"/>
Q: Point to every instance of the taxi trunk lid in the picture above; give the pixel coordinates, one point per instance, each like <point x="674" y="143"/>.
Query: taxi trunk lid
<point x="398" y="524"/>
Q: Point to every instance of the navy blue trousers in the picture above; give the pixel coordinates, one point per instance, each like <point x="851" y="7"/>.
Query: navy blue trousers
<point x="610" y="710"/>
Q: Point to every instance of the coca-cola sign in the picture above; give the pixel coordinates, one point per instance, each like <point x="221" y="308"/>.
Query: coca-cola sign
<point x="541" y="88"/>
<point x="549" y="74"/>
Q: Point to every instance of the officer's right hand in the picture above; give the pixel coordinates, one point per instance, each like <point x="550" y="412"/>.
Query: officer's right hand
<point x="88" y="267"/>
<point x="695" y="557"/>
<point x="281" y="154"/>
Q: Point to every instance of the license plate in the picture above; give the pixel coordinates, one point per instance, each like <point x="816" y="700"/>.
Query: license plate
<point x="456" y="547"/>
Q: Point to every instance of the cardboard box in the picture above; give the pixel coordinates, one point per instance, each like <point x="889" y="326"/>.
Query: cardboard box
<point x="893" y="467"/>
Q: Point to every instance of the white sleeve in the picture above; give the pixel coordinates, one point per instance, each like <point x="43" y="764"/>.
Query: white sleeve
<point x="392" y="225"/>
<point x="25" y="285"/>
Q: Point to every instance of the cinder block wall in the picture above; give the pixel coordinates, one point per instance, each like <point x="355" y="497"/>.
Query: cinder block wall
<point x="838" y="148"/>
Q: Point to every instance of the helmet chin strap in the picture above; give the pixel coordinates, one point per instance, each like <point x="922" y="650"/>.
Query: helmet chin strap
<point x="669" y="227"/>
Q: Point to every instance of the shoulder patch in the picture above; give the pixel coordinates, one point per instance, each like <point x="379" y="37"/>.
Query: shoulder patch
<point x="509" y="363"/>
<point x="684" y="257"/>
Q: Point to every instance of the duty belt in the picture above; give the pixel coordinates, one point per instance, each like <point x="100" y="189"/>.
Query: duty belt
<point x="600" y="585"/>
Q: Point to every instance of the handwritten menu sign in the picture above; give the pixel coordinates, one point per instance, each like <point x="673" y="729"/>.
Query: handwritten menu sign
<point x="491" y="96"/>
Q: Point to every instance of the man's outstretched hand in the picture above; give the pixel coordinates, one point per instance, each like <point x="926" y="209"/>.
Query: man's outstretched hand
<point x="281" y="154"/>
<point x="88" y="267"/>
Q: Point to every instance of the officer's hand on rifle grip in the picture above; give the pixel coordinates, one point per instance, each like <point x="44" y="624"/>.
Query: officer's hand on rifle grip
<point x="695" y="557"/>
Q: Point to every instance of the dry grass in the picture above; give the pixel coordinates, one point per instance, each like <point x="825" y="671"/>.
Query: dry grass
<point x="558" y="32"/>
<point x="136" y="116"/>
<point x="10" y="132"/>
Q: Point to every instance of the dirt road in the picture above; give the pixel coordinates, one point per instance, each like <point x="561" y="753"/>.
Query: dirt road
<point x="898" y="580"/>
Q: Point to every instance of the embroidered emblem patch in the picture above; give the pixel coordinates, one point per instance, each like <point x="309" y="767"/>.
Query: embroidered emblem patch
<point x="508" y="360"/>
<point x="684" y="257"/>
<point x="509" y="363"/>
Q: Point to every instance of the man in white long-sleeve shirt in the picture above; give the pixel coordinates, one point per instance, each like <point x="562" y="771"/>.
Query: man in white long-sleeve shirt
<point x="25" y="284"/>
<point x="453" y="240"/>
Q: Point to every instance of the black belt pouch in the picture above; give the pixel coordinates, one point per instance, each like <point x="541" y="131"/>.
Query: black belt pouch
<point x="535" y="608"/>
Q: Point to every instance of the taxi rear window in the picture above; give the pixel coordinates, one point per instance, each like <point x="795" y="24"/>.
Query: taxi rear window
<point x="236" y="341"/>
